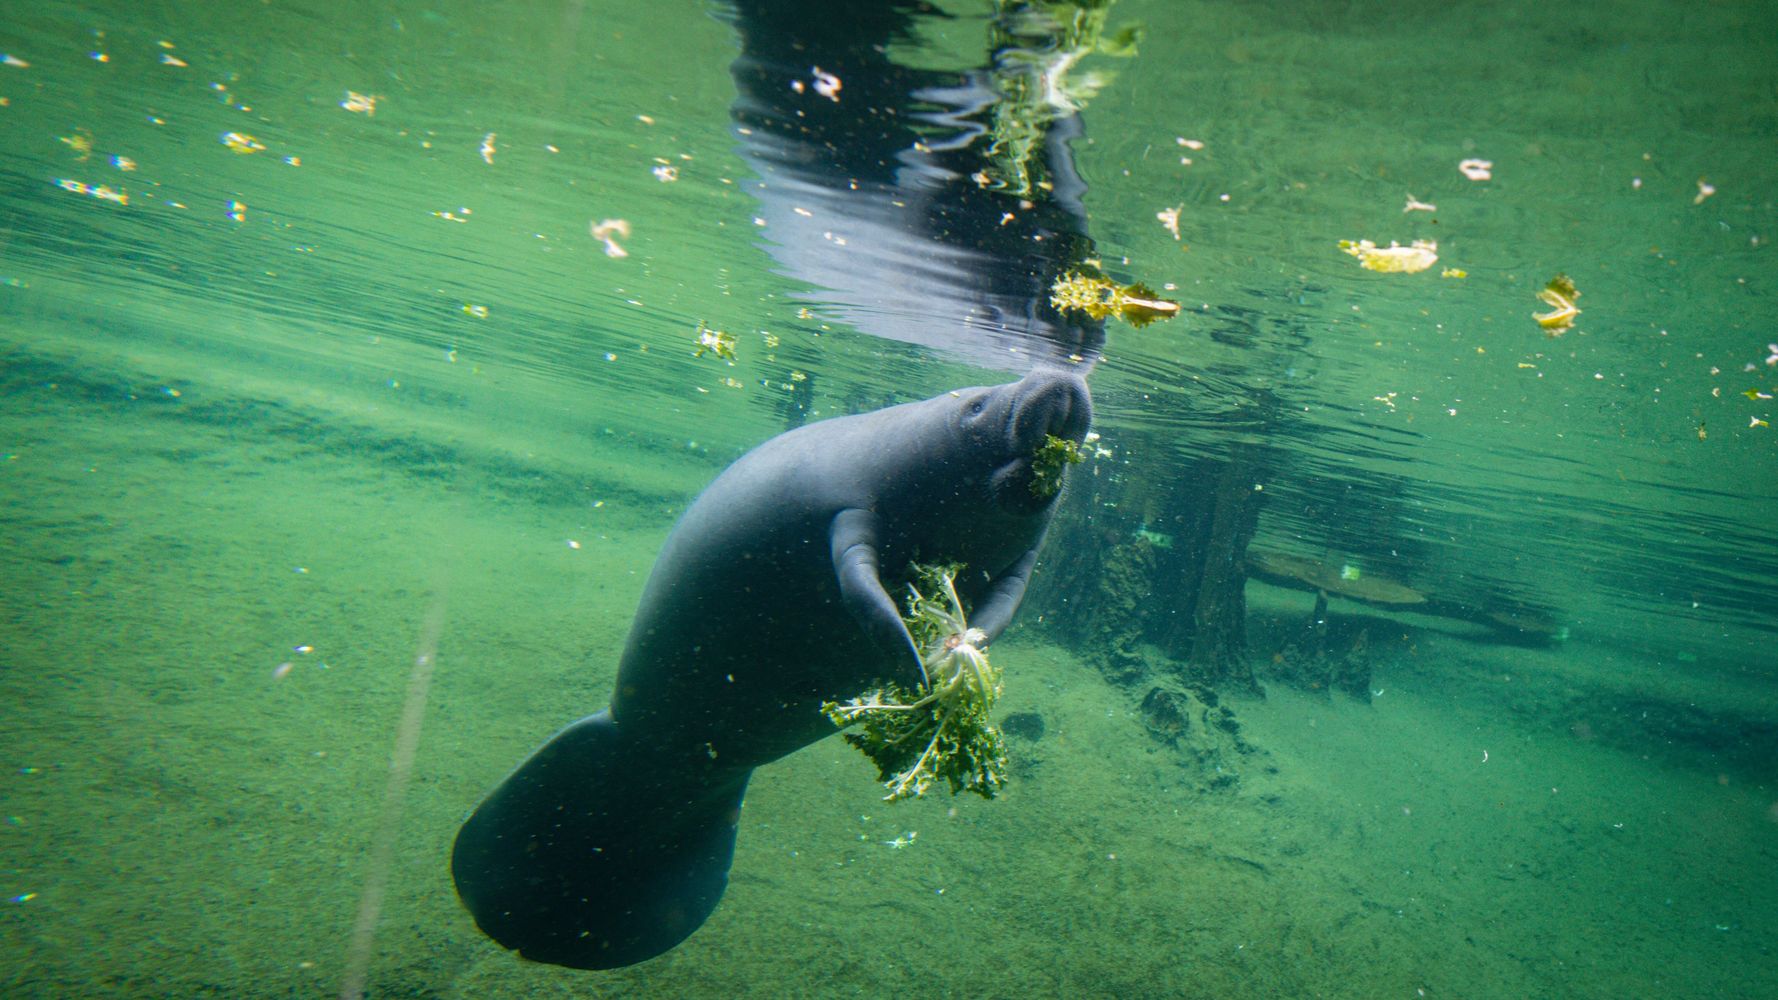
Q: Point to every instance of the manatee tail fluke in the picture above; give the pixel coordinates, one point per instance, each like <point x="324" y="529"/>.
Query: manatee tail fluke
<point x="597" y="853"/>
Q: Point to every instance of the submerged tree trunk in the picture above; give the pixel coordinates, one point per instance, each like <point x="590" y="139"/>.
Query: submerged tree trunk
<point x="1218" y="650"/>
<point x="1209" y="627"/>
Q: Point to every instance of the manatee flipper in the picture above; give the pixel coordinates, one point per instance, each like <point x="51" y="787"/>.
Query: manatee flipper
<point x="599" y="851"/>
<point x="995" y="609"/>
<point x="853" y="535"/>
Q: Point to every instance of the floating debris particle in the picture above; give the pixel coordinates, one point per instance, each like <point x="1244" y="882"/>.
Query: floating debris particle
<point x="81" y="142"/>
<point x="1416" y="205"/>
<point x="169" y="59"/>
<point x="487" y="149"/>
<point x="479" y="312"/>
<point x="1477" y="170"/>
<point x="607" y="232"/>
<point x="102" y="192"/>
<point x="237" y="211"/>
<point x="1705" y="190"/>
<point x="1394" y="258"/>
<point x="826" y="84"/>
<point x="1559" y="295"/>
<point x="14" y="61"/>
<point x="666" y="173"/>
<point x="1453" y="272"/>
<point x="1099" y="297"/>
<point x="715" y="342"/>
<point x="1170" y="218"/>
<point x="366" y="104"/>
<point x="123" y="163"/>
<point x="242" y="143"/>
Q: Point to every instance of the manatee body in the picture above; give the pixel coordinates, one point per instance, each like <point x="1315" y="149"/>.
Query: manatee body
<point x="777" y="590"/>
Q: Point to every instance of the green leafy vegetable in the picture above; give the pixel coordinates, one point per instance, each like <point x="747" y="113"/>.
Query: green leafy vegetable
<point x="1088" y="291"/>
<point x="1053" y="458"/>
<point x="939" y="730"/>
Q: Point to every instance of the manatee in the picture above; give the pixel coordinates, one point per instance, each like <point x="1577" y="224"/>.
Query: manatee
<point x="776" y="591"/>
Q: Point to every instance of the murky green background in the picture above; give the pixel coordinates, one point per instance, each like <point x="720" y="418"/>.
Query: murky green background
<point x="265" y="421"/>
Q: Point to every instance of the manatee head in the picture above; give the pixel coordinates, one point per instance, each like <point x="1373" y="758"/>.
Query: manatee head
<point x="1005" y="425"/>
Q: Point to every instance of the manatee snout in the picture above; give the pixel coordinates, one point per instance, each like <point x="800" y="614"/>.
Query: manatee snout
<point x="1046" y="402"/>
<point x="1050" y="402"/>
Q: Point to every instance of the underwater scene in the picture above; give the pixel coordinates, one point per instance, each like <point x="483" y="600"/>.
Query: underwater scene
<point x="916" y="498"/>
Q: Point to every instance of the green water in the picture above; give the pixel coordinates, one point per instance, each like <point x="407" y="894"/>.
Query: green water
<point x="290" y="418"/>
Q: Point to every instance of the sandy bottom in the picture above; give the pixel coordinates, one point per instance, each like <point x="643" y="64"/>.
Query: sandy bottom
<point x="185" y="815"/>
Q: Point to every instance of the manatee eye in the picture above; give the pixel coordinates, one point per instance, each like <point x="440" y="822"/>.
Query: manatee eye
<point x="976" y="408"/>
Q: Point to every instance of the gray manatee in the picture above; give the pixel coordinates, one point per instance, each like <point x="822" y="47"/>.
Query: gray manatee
<point x="777" y="590"/>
